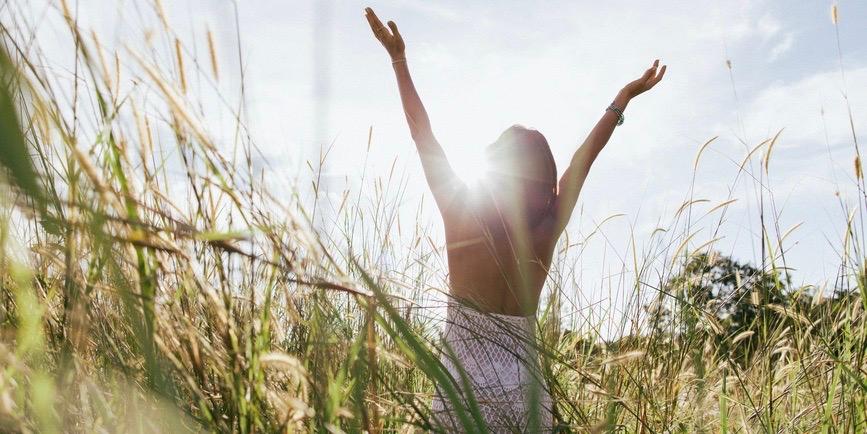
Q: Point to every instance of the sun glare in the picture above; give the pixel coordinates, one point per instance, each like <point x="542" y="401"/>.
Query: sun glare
<point x="471" y="166"/>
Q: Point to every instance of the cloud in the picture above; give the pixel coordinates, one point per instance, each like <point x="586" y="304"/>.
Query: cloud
<point x="437" y="10"/>
<point x="782" y="47"/>
<point x="801" y="105"/>
<point x="767" y="26"/>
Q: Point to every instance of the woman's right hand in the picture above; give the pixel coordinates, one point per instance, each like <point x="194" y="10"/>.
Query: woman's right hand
<point x="391" y="40"/>
<point x="646" y="81"/>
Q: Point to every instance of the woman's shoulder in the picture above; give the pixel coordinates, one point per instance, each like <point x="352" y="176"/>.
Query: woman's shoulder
<point x="545" y="236"/>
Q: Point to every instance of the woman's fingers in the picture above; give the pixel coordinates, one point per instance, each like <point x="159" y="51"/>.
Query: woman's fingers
<point x="647" y="74"/>
<point x="393" y="28"/>
<point x="653" y="68"/>
<point x="652" y="76"/>
<point x="375" y="24"/>
<point x="368" y="13"/>
<point x="371" y="16"/>
<point x="659" y="76"/>
<point x="370" y="20"/>
<point x="647" y="80"/>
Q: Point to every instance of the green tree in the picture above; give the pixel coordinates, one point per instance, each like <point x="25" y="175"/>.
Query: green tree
<point x="735" y="295"/>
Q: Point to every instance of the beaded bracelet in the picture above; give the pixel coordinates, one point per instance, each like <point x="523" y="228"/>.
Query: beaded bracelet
<point x="620" y="117"/>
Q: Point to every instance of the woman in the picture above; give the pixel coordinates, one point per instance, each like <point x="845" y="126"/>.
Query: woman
<point x="500" y="239"/>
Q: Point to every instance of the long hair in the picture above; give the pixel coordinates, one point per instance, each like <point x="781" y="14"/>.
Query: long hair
<point x="523" y="147"/>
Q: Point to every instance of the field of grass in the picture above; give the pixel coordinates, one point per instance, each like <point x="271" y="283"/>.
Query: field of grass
<point x="151" y="282"/>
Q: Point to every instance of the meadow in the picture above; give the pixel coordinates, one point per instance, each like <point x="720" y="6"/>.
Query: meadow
<point x="150" y="281"/>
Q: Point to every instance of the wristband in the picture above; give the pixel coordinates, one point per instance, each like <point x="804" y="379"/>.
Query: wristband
<point x="403" y="59"/>
<point x="620" y="117"/>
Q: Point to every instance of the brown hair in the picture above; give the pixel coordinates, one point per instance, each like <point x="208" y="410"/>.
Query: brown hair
<point x="516" y="143"/>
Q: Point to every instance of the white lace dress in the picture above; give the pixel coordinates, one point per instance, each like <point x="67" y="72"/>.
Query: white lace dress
<point x="498" y="354"/>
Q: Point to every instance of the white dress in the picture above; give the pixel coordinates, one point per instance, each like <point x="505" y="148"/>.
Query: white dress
<point x="498" y="354"/>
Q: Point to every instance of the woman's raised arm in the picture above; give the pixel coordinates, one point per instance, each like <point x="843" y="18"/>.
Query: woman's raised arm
<point x="574" y="176"/>
<point x="440" y="176"/>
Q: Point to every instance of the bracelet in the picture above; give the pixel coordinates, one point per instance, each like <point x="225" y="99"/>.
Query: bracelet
<point x="402" y="59"/>
<point x="620" y="117"/>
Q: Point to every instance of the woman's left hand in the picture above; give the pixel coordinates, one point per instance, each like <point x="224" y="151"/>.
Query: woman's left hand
<point x="391" y="40"/>
<point x="646" y="81"/>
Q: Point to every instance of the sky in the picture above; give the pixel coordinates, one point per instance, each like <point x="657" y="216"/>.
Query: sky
<point x="314" y="77"/>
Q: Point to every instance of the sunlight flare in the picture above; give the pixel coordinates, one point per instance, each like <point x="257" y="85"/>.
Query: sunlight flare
<point x="471" y="165"/>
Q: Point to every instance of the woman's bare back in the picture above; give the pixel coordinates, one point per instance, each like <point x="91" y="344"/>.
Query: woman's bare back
<point x="496" y="268"/>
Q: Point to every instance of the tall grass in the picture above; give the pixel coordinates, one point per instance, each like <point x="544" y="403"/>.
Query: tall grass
<point x="151" y="283"/>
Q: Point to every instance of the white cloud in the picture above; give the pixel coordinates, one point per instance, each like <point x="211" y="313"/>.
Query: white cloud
<point x="768" y="26"/>
<point x="782" y="47"/>
<point x="798" y="107"/>
<point x="437" y="10"/>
